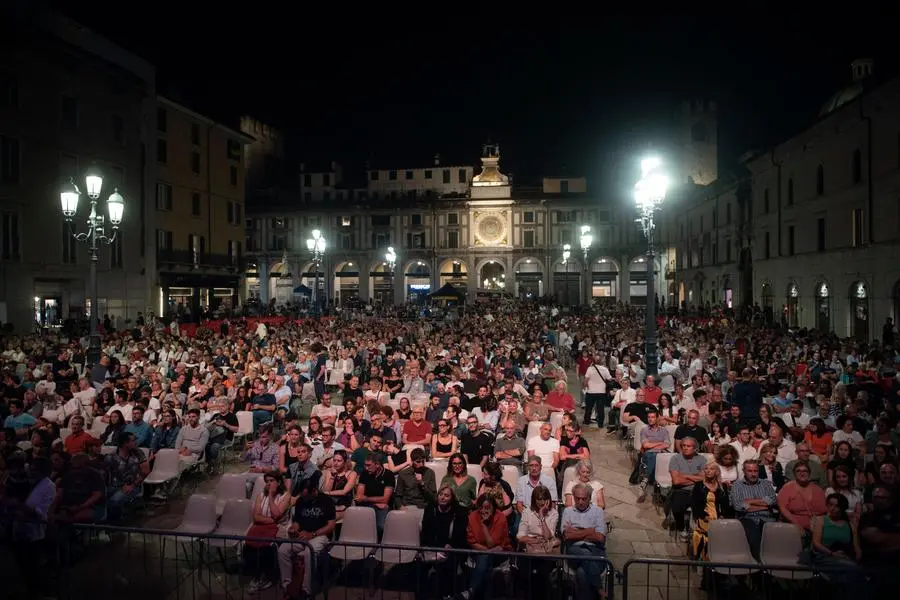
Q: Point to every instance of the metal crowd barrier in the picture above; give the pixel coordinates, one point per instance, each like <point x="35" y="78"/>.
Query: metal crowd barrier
<point x="86" y="562"/>
<point x="665" y="579"/>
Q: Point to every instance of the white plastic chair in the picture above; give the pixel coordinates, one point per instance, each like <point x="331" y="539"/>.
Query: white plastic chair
<point x="710" y="458"/>
<point x="555" y="420"/>
<point x="358" y="526"/>
<point x="511" y="474"/>
<point x="440" y="469"/>
<point x="781" y="545"/>
<point x="230" y="487"/>
<point x="165" y="467"/>
<point x="637" y="436"/>
<point x="534" y="430"/>
<point x="199" y="515"/>
<point x="401" y="528"/>
<point x="670" y="429"/>
<point x="568" y="475"/>
<point x="410" y="447"/>
<point x="237" y="516"/>
<point x="475" y="471"/>
<point x="728" y="545"/>
<point x="245" y="423"/>
<point x="662" y="475"/>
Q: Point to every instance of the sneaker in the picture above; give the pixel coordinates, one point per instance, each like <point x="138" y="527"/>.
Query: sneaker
<point x="683" y="536"/>
<point x="264" y="583"/>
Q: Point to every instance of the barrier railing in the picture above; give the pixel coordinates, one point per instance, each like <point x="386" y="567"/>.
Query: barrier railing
<point x="665" y="579"/>
<point x="86" y="562"/>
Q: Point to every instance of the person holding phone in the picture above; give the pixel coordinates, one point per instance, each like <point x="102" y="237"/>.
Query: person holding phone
<point x="222" y="427"/>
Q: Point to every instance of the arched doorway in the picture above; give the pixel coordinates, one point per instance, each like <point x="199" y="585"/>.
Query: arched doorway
<point x="529" y="274"/>
<point x="792" y="306"/>
<point x="605" y="280"/>
<point x="492" y="276"/>
<point x="346" y="282"/>
<point x="456" y="273"/>
<point x="768" y="302"/>
<point x="418" y="282"/>
<point x="281" y="282"/>
<point x="637" y="270"/>
<point x="823" y="307"/>
<point x="859" y="311"/>
<point x="381" y="284"/>
<point x="567" y="281"/>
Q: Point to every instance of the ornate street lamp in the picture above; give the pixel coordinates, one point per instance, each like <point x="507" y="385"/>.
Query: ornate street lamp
<point x="649" y="194"/>
<point x="391" y="257"/>
<point x="586" y="240"/>
<point x="95" y="235"/>
<point x="316" y="245"/>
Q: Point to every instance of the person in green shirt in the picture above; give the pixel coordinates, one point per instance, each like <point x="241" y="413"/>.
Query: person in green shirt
<point x="372" y="445"/>
<point x="458" y="478"/>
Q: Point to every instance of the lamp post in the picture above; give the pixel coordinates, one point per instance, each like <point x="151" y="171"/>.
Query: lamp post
<point x="316" y="245"/>
<point x="391" y="257"/>
<point x="586" y="240"/>
<point x="649" y="194"/>
<point x="567" y="252"/>
<point x="95" y="235"/>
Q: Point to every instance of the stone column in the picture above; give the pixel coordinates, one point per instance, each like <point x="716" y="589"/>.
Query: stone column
<point x="263" y="270"/>
<point x="624" y="281"/>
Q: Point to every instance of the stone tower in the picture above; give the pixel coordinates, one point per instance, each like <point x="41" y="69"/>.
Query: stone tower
<point x="699" y="142"/>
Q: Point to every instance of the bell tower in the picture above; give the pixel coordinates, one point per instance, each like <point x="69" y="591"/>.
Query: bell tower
<point x="699" y="134"/>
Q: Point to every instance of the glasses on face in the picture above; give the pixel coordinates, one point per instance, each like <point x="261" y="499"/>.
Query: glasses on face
<point x="457" y="464"/>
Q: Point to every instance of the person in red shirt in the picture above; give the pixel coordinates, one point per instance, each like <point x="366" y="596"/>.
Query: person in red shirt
<point x="559" y="399"/>
<point x="487" y="530"/>
<point x="77" y="441"/>
<point x="417" y="430"/>
<point x="653" y="392"/>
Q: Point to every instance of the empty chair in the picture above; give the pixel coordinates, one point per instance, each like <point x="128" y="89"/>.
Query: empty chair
<point x="165" y="467"/>
<point x="475" y="471"/>
<point x="511" y="474"/>
<point x="232" y="486"/>
<point x="661" y="475"/>
<point x="556" y="420"/>
<point x="534" y="429"/>
<point x="358" y="526"/>
<point x="440" y="469"/>
<point x="569" y="474"/>
<point x="199" y="515"/>
<point x="670" y="429"/>
<point x="245" y="423"/>
<point x="401" y="528"/>
<point x="237" y="515"/>
<point x="728" y="545"/>
<point x="781" y="545"/>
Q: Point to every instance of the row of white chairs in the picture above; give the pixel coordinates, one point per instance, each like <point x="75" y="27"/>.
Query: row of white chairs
<point x="781" y="546"/>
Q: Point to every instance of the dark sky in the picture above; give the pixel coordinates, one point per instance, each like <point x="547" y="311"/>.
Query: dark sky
<point x="582" y="92"/>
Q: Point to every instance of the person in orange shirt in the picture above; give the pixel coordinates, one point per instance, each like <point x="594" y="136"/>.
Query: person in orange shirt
<point x="487" y="531"/>
<point x="818" y="438"/>
<point x="77" y="441"/>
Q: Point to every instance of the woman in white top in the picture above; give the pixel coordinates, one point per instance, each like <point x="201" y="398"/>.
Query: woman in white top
<point x="846" y="433"/>
<point x="843" y="485"/>
<point x="584" y="472"/>
<point x="727" y="459"/>
<point x="537" y="532"/>
<point x="272" y="507"/>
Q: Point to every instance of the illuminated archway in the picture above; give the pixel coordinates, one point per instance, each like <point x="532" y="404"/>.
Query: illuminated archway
<point x="529" y="278"/>
<point x="346" y="282"/>
<point x="417" y="281"/>
<point x="605" y="280"/>
<point x="455" y="272"/>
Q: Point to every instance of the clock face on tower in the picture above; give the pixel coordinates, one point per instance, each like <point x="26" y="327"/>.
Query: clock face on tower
<point x="490" y="229"/>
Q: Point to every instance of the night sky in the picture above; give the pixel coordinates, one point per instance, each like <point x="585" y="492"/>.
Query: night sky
<point x="581" y="94"/>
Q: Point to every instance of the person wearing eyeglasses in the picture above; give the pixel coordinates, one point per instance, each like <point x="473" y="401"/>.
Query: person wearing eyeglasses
<point x="584" y="530"/>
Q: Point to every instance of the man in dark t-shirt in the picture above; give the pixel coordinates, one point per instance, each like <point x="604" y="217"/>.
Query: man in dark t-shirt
<point x="690" y="429"/>
<point x="314" y="519"/>
<point x="375" y="488"/>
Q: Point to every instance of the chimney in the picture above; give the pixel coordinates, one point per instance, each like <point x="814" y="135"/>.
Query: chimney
<point x="861" y="69"/>
<point x="437" y="160"/>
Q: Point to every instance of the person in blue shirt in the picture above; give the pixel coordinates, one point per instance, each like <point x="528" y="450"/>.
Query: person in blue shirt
<point x="18" y="419"/>
<point x="140" y="428"/>
<point x="584" y="531"/>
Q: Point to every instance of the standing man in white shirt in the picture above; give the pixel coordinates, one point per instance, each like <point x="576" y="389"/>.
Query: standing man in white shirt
<point x="595" y="391"/>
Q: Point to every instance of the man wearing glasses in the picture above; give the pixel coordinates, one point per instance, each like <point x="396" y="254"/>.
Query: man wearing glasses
<point x="584" y="530"/>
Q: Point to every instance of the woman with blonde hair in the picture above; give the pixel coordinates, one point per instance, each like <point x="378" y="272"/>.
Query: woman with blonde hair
<point x="709" y="501"/>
